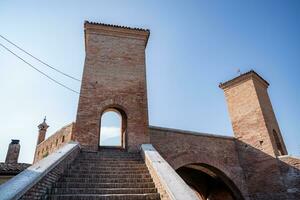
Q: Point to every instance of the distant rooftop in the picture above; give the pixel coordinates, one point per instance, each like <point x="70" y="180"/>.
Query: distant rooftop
<point x="12" y="168"/>
<point x="242" y="77"/>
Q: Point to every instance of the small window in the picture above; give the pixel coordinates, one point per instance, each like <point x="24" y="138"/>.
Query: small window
<point x="56" y="142"/>
<point x="63" y="139"/>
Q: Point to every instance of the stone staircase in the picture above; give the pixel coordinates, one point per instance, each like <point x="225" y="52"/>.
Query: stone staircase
<point x="109" y="174"/>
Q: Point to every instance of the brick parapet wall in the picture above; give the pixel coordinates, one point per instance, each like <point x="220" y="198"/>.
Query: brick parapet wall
<point x="54" y="142"/>
<point x="290" y="171"/>
<point x="180" y="148"/>
<point x="40" y="189"/>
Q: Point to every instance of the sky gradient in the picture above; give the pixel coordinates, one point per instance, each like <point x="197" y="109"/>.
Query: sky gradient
<point x="193" y="46"/>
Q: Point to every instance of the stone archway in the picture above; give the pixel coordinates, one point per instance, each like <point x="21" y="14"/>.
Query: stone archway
<point x="209" y="182"/>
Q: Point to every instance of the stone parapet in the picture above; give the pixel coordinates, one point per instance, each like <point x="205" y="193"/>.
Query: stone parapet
<point x="169" y="184"/>
<point x="34" y="182"/>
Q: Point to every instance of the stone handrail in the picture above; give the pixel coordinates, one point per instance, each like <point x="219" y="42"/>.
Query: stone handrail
<point x="169" y="184"/>
<point x="23" y="185"/>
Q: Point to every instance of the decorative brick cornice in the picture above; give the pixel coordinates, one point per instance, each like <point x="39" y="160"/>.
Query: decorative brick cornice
<point x="243" y="77"/>
<point x="116" y="30"/>
<point x="116" y="26"/>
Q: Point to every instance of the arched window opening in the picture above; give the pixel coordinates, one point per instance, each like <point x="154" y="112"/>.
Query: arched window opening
<point x="112" y="129"/>
<point x="63" y="139"/>
<point x="278" y="143"/>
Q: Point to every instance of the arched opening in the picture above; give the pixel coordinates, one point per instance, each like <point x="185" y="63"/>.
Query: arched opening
<point x="112" y="128"/>
<point x="209" y="183"/>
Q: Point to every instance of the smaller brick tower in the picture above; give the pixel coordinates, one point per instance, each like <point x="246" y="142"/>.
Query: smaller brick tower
<point x="13" y="152"/>
<point x="255" y="127"/>
<point x="42" y="131"/>
<point x="252" y="115"/>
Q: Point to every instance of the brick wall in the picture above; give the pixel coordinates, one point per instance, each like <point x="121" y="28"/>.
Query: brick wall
<point x="54" y="142"/>
<point x="290" y="170"/>
<point x="180" y="148"/>
<point x="39" y="190"/>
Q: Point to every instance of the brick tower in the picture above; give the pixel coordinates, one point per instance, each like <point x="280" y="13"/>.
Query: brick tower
<point x="252" y="115"/>
<point x="259" y="140"/>
<point x="114" y="77"/>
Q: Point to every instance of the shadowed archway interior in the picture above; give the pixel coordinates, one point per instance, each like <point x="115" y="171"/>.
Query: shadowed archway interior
<point x="209" y="183"/>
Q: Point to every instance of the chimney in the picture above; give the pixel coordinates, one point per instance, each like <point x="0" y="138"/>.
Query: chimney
<point x="13" y="152"/>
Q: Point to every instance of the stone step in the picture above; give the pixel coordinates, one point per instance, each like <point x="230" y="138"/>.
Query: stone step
<point x="110" y="161"/>
<point x="90" y="173"/>
<point x="105" y="180"/>
<point x="103" y="190"/>
<point x="104" y="164"/>
<point x="103" y="185"/>
<point x="117" y="155"/>
<point x="76" y="171"/>
<point x="106" y="168"/>
<point x="152" y="196"/>
<point x="144" y="175"/>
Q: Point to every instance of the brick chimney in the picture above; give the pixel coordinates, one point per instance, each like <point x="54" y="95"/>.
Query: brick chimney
<point x="13" y="152"/>
<point x="42" y="131"/>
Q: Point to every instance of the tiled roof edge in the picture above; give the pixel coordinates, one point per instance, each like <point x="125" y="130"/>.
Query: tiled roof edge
<point x="116" y="26"/>
<point x="225" y="84"/>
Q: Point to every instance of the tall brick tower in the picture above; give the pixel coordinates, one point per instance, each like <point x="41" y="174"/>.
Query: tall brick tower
<point x="114" y="77"/>
<point x="259" y="140"/>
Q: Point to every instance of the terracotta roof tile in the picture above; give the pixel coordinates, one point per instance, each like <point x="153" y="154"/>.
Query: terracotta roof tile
<point x="244" y="75"/>
<point x="117" y="26"/>
<point x="12" y="168"/>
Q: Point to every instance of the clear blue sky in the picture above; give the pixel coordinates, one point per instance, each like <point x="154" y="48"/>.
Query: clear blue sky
<point x="193" y="46"/>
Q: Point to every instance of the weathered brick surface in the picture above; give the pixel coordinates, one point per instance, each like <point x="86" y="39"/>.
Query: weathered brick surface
<point x="39" y="190"/>
<point x="13" y="151"/>
<point x="114" y="77"/>
<point x="54" y="142"/>
<point x="253" y="122"/>
<point x="180" y="148"/>
<point x="290" y="170"/>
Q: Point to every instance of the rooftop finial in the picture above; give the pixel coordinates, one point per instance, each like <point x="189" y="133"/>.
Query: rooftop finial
<point x="44" y="125"/>
<point x="239" y="71"/>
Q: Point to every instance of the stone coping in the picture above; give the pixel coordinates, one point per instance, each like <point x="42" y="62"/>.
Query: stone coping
<point x="191" y="132"/>
<point x="20" y="184"/>
<point x="171" y="183"/>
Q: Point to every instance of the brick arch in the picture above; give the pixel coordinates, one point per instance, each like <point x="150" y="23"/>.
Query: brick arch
<point x="120" y="110"/>
<point x="211" y="171"/>
<point x="190" y="157"/>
